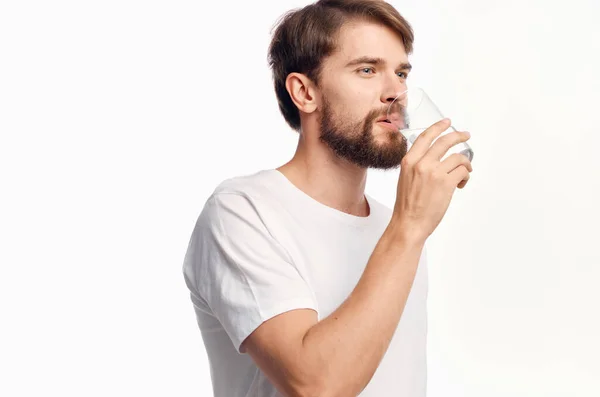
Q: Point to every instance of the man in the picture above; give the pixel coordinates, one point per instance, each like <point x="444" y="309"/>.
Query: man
<point x="302" y="284"/>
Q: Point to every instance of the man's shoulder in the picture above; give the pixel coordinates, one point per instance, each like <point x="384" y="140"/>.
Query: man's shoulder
<point x="253" y="184"/>
<point x="245" y="194"/>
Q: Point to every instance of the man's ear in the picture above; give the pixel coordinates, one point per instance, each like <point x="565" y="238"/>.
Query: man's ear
<point x="302" y="91"/>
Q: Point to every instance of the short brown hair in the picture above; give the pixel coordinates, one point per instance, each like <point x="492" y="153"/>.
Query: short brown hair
<point x="304" y="37"/>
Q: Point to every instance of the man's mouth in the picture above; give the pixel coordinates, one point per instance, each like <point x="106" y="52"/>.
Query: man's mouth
<point x="396" y="123"/>
<point x="385" y="123"/>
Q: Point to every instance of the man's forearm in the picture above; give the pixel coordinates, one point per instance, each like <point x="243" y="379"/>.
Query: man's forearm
<point x="347" y="346"/>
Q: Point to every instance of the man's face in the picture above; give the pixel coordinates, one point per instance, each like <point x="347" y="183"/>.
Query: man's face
<point x="358" y="83"/>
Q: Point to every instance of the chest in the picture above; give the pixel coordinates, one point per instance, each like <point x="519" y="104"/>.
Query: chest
<point x="332" y="263"/>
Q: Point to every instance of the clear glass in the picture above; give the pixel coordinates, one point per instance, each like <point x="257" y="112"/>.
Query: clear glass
<point x="412" y="112"/>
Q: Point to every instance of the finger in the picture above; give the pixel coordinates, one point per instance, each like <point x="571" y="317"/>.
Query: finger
<point x="454" y="161"/>
<point x="458" y="175"/>
<point x="442" y="145"/>
<point x="424" y="140"/>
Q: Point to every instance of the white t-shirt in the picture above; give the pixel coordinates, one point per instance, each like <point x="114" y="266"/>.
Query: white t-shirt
<point x="262" y="247"/>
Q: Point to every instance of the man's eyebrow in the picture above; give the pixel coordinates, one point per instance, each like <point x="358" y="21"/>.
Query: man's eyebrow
<point x="376" y="61"/>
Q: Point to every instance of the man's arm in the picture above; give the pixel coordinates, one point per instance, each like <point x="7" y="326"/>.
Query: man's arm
<point x="338" y="355"/>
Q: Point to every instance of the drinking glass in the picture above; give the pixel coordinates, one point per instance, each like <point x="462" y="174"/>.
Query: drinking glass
<point x="412" y="112"/>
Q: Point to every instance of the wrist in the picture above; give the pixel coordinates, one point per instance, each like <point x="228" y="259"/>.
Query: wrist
<point x="403" y="232"/>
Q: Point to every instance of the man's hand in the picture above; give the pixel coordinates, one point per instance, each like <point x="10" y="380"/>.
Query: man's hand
<point x="426" y="184"/>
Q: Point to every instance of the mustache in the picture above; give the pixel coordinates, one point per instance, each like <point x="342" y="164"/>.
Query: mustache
<point x="396" y="108"/>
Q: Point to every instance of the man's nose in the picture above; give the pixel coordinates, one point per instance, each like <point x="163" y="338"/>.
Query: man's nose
<point x="394" y="88"/>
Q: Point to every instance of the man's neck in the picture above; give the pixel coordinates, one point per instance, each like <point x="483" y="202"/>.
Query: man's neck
<point x="331" y="181"/>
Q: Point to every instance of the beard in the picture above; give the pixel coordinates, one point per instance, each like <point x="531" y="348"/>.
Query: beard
<point x="355" y="141"/>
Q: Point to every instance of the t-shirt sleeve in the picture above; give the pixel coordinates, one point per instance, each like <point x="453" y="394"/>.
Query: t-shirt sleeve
<point x="244" y="274"/>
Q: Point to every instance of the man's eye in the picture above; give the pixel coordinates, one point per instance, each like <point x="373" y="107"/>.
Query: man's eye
<point x="366" y="70"/>
<point x="403" y="75"/>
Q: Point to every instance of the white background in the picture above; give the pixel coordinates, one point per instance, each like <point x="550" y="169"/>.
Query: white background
<point x="119" y="118"/>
